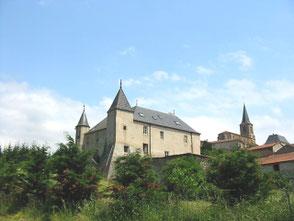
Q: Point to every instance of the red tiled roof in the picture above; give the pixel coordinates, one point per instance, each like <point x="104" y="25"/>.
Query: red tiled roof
<point x="262" y="146"/>
<point x="278" y="158"/>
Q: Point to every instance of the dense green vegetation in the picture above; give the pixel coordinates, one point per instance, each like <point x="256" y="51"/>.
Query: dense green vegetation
<point x="35" y="185"/>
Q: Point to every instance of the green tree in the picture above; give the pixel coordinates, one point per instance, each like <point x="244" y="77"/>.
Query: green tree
<point x="135" y="185"/>
<point x="237" y="174"/>
<point x="206" y="148"/>
<point x="73" y="179"/>
<point x="184" y="176"/>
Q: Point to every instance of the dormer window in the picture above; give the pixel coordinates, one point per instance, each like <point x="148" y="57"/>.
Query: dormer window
<point x="154" y="117"/>
<point x="160" y="117"/>
<point x="141" y="114"/>
<point x="177" y="123"/>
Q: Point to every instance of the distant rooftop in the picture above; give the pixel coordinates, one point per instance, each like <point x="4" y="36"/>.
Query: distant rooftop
<point x="275" y="138"/>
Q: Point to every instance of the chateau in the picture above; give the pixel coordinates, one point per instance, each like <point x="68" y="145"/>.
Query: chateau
<point x="128" y="129"/>
<point x="245" y="139"/>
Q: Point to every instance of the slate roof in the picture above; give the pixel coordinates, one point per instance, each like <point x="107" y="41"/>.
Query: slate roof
<point x="100" y="126"/>
<point x="245" y="118"/>
<point x="276" y="138"/>
<point x="83" y="120"/>
<point x="120" y="102"/>
<point x="277" y="158"/>
<point x="161" y="119"/>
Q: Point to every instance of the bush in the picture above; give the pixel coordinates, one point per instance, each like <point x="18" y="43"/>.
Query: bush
<point x="73" y="179"/>
<point x="237" y="174"/>
<point x="135" y="186"/>
<point x="184" y="177"/>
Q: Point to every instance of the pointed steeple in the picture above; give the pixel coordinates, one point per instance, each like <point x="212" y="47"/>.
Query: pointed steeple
<point x="83" y="120"/>
<point x="120" y="101"/>
<point x="245" y="119"/>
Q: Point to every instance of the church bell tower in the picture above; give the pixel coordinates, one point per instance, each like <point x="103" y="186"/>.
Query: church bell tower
<point x="246" y="127"/>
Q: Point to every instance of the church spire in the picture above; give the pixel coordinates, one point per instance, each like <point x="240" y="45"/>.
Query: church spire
<point x="120" y="101"/>
<point x="83" y="120"/>
<point x="245" y="119"/>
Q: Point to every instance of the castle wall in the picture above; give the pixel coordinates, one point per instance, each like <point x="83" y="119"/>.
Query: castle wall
<point x="80" y="132"/>
<point x="95" y="140"/>
<point x="130" y="133"/>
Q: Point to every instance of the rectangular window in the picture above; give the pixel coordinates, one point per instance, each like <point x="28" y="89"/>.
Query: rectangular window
<point x="186" y="139"/>
<point x="145" y="148"/>
<point x="161" y="134"/>
<point x="145" y="130"/>
<point x="166" y="153"/>
<point x="125" y="127"/>
<point x="126" y="149"/>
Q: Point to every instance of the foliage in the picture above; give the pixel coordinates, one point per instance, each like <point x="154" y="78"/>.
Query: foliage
<point x="185" y="177"/>
<point x="135" y="185"/>
<point x="206" y="148"/>
<point x="72" y="177"/>
<point x="237" y="173"/>
<point x="30" y="174"/>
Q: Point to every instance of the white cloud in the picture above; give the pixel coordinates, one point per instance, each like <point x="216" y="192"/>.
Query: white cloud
<point x="29" y="114"/>
<point x="146" y="102"/>
<point x="106" y="102"/>
<point x="160" y="75"/>
<point x="130" y="82"/>
<point x="280" y="90"/>
<point x="203" y="70"/>
<point x="175" y="77"/>
<point x="190" y="94"/>
<point x="129" y="51"/>
<point x="245" y="61"/>
<point x="210" y="127"/>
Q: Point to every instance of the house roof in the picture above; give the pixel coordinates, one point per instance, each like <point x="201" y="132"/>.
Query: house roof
<point x="161" y="119"/>
<point x="228" y="132"/>
<point x="120" y="102"/>
<point x="278" y="158"/>
<point x="275" y="138"/>
<point x="100" y="126"/>
<point x="224" y="141"/>
<point x="262" y="146"/>
<point x="83" y="120"/>
<point x="245" y="118"/>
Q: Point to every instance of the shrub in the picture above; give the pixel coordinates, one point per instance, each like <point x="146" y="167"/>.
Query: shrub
<point x="184" y="176"/>
<point x="73" y="179"/>
<point x="135" y="186"/>
<point x="237" y="173"/>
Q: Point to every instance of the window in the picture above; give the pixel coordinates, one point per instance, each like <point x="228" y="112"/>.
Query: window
<point x="186" y="139"/>
<point x="141" y="114"/>
<point x="126" y="149"/>
<point x="161" y="134"/>
<point x="145" y="130"/>
<point x="125" y="127"/>
<point x="160" y="117"/>
<point x="166" y="153"/>
<point x="154" y="117"/>
<point x="79" y="134"/>
<point x="177" y="123"/>
<point x="244" y="129"/>
<point x="276" y="167"/>
<point x="145" y="148"/>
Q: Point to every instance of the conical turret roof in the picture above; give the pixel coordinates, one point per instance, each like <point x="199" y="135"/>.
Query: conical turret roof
<point x="245" y="119"/>
<point x="120" y="102"/>
<point x="83" y="120"/>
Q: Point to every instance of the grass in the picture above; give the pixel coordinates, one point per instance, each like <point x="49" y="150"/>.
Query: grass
<point x="275" y="208"/>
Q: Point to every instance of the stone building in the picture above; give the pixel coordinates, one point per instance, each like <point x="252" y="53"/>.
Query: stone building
<point x="246" y="138"/>
<point x="127" y="129"/>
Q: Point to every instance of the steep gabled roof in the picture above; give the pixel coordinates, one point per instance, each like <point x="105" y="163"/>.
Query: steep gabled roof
<point x="120" y="102"/>
<point x="276" y="138"/>
<point x="83" y="120"/>
<point x="161" y="119"/>
<point x="245" y="118"/>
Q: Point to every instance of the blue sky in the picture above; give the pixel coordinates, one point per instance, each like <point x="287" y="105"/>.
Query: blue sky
<point x="201" y="58"/>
